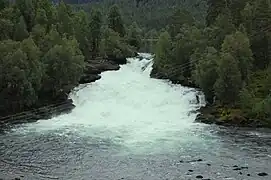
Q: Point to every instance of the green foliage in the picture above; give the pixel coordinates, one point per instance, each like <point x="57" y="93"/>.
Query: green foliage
<point x="35" y="66"/>
<point x="134" y="36"/>
<point x="150" y="14"/>
<point x="222" y="26"/>
<point x="178" y="19"/>
<point x="215" y="7"/>
<point x="28" y="11"/>
<point x="260" y="29"/>
<point x="113" y="46"/>
<point x="163" y="52"/>
<point x="16" y="86"/>
<point x="229" y="83"/>
<point x="64" y="65"/>
<point x="3" y="4"/>
<point x="205" y="73"/>
<point x="95" y="31"/>
<point x="44" y="47"/>
<point x="81" y="26"/>
<point x="38" y="34"/>
<point x="115" y="21"/>
<point x="6" y="29"/>
<point x="238" y="46"/>
<point x="64" y="21"/>
<point x="21" y="32"/>
<point x="41" y="17"/>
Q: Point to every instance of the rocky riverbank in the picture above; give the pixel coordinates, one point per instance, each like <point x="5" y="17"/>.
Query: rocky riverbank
<point x="217" y="114"/>
<point x="155" y="73"/>
<point x="62" y="104"/>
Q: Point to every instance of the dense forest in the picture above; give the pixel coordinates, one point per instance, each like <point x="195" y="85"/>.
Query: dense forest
<point x="44" y="48"/>
<point x="228" y="58"/>
<point x="150" y="14"/>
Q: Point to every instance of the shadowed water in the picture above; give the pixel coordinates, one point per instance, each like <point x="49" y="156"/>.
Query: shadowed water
<point x="129" y="126"/>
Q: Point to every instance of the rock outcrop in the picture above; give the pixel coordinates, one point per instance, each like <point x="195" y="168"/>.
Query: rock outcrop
<point x="212" y="114"/>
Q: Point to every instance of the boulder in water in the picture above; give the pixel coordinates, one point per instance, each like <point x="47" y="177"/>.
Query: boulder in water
<point x="262" y="174"/>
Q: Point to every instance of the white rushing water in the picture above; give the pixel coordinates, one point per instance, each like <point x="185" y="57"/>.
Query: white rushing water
<point x="130" y="108"/>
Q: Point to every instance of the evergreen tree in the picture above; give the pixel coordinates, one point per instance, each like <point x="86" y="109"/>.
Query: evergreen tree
<point x="51" y="39"/>
<point x="28" y="11"/>
<point x="21" y="32"/>
<point x="113" y="48"/>
<point x="95" y="33"/>
<point x="260" y="29"/>
<point x="238" y="46"/>
<point x="115" y="21"/>
<point x="189" y="39"/>
<point x="178" y="19"/>
<point x="215" y="7"/>
<point x="229" y="83"/>
<point x="64" y="24"/>
<point x="6" y="29"/>
<point x="41" y="17"/>
<point x="134" y="36"/>
<point x="81" y="29"/>
<point x="206" y="71"/>
<point x="163" y="52"/>
<point x="38" y="34"/>
<point x="222" y="26"/>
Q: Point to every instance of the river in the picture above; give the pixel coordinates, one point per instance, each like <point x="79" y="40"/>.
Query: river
<point x="129" y="126"/>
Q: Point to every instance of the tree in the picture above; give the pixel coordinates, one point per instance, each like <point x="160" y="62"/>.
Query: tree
<point x="64" y="23"/>
<point x="222" y="26"/>
<point x="6" y="29"/>
<point x="3" y="4"/>
<point x="36" y="70"/>
<point x="260" y="30"/>
<point x="178" y="19"/>
<point x="247" y="16"/>
<point x="50" y="40"/>
<point x="163" y="52"/>
<point x="41" y="17"/>
<point x="64" y="67"/>
<point x="95" y="33"/>
<point x="238" y="45"/>
<point x="21" y="32"/>
<point x="81" y="30"/>
<point x="206" y="71"/>
<point x="188" y="41"/>
<point x="113" y="48"/>
<point x="215" y="7"/>
<point x="16" y="91"/>
<point x="134" y="36"/>
<point x="28" y="11"/>
<point x="229" y="83"/>
<point x="115" y="21"/>
<point x="38" y="35"/>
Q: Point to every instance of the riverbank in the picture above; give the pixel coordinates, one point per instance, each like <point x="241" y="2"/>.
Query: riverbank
<point x="215" y="114"/>
<point x="46" y="107"/>
<point x="155" y="73"/>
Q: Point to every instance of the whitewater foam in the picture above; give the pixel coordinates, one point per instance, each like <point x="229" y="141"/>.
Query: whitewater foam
<point x="129" y="107"/>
